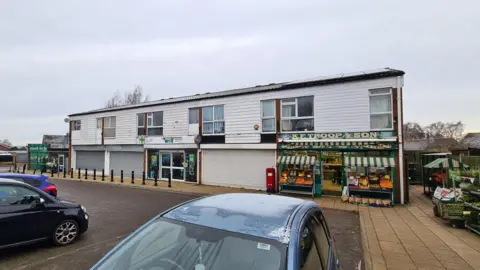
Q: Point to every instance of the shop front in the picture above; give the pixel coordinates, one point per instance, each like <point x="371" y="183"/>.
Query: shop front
<point x="360" y="163"/>
<point x="171" y="158"/>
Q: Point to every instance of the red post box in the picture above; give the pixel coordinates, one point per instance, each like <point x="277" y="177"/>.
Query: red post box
<point x="270" y="179"/>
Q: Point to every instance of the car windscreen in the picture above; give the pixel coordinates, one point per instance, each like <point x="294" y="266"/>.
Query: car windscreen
<point x="169" y="244"/>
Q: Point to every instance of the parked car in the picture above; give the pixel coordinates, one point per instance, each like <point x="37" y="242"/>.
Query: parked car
<point x="37" y="180"/>
<point x="29" y="215"/>
<point x="230" y="231"/>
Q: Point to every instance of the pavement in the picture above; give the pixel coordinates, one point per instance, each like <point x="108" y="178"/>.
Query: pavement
<point x="400" y="237"/>
<point x="117" y="210"/>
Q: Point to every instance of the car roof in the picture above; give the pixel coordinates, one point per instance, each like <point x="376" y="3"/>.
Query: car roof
<point x="9" y="181"/>
<point x="25" y="176"/>
<point x="267" y="216"/>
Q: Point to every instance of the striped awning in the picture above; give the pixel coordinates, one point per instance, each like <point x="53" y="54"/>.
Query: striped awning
<point x="375" y="162"/>
<point x="296" y="160"/>
<point x="449" y="163"/>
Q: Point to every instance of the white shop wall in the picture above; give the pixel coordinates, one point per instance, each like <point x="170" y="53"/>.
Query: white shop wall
<point x="338" y="108"/>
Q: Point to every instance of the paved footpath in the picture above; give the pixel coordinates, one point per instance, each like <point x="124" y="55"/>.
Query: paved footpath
<point x="402" y="237"/>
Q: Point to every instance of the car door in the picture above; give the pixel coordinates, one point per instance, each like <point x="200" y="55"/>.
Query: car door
<point x="25" y="220"/>
<point x="325" y="241"/>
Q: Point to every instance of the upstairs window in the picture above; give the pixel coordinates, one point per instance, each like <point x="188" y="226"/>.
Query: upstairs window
<point x="76" y="124"/>
<point x="155" y="124"/>
<point x="141" y="131"/>
<point x="193" y="115"/>
<point x="110" y="127"/>
<point x="268" y="116"/>
<point x="213" y="120"/>
<point x="297" y="114"/>
<point x="381" y="112"/>
<point x="99" y="123"/>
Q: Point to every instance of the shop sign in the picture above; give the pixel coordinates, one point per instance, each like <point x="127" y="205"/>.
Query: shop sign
<point x="337" y="146"/>
<point x="38" y="148"/>
<point x="336" y="135"/>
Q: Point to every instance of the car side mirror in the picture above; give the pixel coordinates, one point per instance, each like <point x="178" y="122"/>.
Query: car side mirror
<point x="38" y="201"/>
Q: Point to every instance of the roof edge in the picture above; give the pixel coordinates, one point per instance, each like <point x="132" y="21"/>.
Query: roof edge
<point x="281" y="87"/>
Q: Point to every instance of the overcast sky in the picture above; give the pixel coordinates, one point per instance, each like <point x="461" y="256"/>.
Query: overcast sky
<point x="61" y="57"/>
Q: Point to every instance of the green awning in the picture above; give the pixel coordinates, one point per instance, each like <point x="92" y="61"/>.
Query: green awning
<point x="296" y="160"/>
<point x="375" y="162"/>
<point x="449" y="163"/>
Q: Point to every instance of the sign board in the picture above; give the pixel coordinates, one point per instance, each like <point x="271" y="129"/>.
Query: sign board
<point x="337" y="146"/>
<point x="337" y="135"/>
<point x="37" y="148"/>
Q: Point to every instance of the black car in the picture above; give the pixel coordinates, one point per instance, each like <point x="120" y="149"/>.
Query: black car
<point x="29" y="215"/>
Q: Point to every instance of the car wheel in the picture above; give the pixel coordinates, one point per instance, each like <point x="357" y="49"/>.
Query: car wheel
<point x="65" y="232"/>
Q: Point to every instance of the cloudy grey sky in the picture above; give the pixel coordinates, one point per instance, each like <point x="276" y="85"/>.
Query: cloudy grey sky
<point x="59" y="57"/>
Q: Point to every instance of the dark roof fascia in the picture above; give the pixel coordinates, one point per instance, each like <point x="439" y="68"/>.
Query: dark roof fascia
<point x="286" y="86"/>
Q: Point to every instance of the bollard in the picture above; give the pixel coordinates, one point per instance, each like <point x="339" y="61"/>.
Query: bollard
<point x="133" y="177"/>
<point x="51" y="172"/>
<point x="78" y="173"/>
<point x="86" y="174"/>
<point x="24" y="168"/>
<point x="94" y="174"/>
<point x="64" y="173"/>
<point x="103" y="174"/>
<point x="111" y="175"/>
<point x="170" y="181"/>
<point x="34" y="171"/>
<point x="156" y="179"/>
<point x="71" y="172"/>
<point x="121" y="176"/>
<point x="143" y="178"/>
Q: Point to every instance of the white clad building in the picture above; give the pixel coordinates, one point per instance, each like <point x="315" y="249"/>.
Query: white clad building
<point x="225" y="138"/>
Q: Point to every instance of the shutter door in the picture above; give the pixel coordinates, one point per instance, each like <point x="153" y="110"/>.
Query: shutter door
<point x="90" y="160"/>
<point x="128" y="162"/>
<point x="237" y="168"/>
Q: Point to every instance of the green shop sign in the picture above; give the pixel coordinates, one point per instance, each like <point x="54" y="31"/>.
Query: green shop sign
<point x="337" y="146"/>
<point x="37" y="148"/>
<point x="337" y="135"/>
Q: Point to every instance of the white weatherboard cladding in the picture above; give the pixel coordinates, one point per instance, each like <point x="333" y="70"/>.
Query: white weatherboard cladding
<point x="237" y="168"/>
<point x="339" y="107"/>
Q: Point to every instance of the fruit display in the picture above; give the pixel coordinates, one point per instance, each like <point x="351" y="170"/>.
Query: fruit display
<point x="363" y="182"/>
<point x="384" y="183"/>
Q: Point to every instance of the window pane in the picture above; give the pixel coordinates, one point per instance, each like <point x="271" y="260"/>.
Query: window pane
<point x="109" y="132"/>
<point x="207" y="114"/>
<point x="99" y="123"/>
<point x="165" y="173"/>
<point x="268" y="108"/>
<point x="379" y="91"/>
<point x="155" y="131"/>
<point x="141" y="119"/>
<point x="193" y="115"/>
<point x="207" y="128"/>
<point x="321" y="240"/>
<point x="219" y="127"/>
<point x="288" y="100"/>
<point x="381" y="121"/>
<point x="110" y="122"/>
<point x="178" y="174"/>
<point x="268" y="125"/>
<point x="141" y="131"/>
<point x="157" y="119"/>
<point x="149" y="121"/>
<point x="177" y="159"/>
<point x="288" y="110"/>
<point x="297" y="125"/>
<point x="218" y="110"/>
<point x="309" y="258"/>
<point x="166" y="159"/>
<point x="305" y="106"/>
<point x="379" y="104"/>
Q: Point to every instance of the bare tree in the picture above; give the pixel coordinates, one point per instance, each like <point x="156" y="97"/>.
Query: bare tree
<point x="413" y="131"/>
<point x="6" y="142"/>
<point x="133" y="97"/>
<point x="445" y="130"/>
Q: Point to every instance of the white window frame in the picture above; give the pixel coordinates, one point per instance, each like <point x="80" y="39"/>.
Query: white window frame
<point x="107" y="122"/>
<point x="76" y="125"/>
<point x="296" y="117"/>
<point x="269" y="117"/>
<point x="143" y="126"/>
<point x="171" y="167"/>
<point x="213" y="121"/>
<point x="198" y="111"/>
<point x="150" y="116"/>
<point x="380" y="113"/>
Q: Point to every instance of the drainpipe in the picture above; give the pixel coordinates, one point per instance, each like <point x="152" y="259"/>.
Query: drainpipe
<point x="400" y="138"/>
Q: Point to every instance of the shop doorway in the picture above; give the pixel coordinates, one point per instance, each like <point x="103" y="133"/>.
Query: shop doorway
<point x="332" y="168"/>
<point x="172" y="164"/>
<point x="61" y="163"/>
